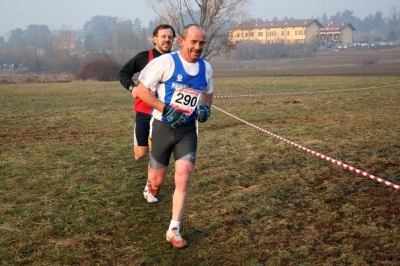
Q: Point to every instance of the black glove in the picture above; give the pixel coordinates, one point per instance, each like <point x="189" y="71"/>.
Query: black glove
<point x="174" y="117"/>
<point x="203" y="113"/>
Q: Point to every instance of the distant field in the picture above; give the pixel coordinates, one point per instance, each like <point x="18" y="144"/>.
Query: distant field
<point x="70" y="190"/>
<point x="356" y="61"/>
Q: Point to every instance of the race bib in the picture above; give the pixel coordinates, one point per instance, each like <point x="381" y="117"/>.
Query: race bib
<point x="185" y="100"/>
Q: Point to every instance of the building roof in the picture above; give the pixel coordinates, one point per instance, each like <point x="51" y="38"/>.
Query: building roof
<point x="336" y="26"/>
<point x="276" y="24"/>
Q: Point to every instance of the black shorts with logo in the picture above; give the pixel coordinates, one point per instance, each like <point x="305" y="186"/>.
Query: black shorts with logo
<point x="163" y="140"/>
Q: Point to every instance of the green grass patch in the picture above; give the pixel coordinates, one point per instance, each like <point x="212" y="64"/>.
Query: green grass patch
<point x="71" y="192"/>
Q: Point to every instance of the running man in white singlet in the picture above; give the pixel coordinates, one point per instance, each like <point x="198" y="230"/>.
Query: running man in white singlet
<point x="179" y="88"/>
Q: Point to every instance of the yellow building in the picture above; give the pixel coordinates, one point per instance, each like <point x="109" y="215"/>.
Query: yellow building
<point x="336" y="33"/>
<point x="286" y="31"/>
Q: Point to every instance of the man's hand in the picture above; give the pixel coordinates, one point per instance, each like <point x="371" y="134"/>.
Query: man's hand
<point x="132" y="89"/>
<point x="203" y="113"/>
<point x="174" y="117"/>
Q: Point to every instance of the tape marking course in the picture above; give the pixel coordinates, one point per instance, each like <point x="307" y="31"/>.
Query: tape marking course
<point x="303" y="92"/>
<point x="329" y="159"/>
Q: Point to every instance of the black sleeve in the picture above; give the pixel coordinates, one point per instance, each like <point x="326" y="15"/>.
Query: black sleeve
<point x="133" y="66"/>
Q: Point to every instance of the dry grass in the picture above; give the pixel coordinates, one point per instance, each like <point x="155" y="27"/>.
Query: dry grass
<point x="13" y="77"/>
<point x="360" y="61"/>
<point x="70" y="190"/>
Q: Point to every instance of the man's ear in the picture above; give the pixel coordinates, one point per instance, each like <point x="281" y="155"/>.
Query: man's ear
<point x="181" y="40"/>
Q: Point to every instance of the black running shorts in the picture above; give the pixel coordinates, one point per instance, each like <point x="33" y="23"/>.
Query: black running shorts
<point x="163" y="140"/>
<point x="142" y="129"/>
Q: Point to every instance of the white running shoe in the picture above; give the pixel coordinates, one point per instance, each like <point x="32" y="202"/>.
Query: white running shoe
<point x="149" y="197"/>
<point x="176" y="239"/>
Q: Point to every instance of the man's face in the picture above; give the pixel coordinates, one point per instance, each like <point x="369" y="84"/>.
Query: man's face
<point x="193" y="44"/>
<point x="164" y="40"/>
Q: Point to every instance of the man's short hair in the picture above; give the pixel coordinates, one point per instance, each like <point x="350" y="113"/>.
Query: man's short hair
<point x="163" y="27"/>
<point x="186" y="29"/>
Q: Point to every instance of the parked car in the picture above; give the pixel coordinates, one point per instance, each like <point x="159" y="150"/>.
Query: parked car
<point x="330" y="45"/>
<point x="395" y="42"/>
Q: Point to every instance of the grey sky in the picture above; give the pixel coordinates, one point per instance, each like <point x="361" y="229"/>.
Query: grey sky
<point x="74" y="13"/>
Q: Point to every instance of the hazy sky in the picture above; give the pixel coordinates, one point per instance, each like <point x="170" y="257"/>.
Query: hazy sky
<point x="74" y="13"/>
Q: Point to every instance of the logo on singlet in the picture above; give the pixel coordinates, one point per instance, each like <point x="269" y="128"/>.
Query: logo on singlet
<point x="179" y="78"/>
<point x="178" y="86"/>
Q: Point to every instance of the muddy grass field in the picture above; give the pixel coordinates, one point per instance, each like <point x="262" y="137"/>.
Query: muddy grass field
<point x="71" y="193"/>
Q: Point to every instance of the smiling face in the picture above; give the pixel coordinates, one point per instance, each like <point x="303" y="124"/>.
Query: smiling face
<point x="192" y="44"/>
<point x="164" y="40"/>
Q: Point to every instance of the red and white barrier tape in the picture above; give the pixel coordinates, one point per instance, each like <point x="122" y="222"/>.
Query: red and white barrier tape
<point x="329" y="159"/>
<point x="304" y="92"/>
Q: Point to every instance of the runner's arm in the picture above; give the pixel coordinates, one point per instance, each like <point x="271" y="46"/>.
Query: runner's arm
<point x="206" y="99"/>
<point x="146" y="96"/>
<point x="133" y="66"/>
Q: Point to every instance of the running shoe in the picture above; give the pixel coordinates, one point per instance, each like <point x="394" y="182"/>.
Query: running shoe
<point x="149" y="197"/>
<point x="175" y="238"/>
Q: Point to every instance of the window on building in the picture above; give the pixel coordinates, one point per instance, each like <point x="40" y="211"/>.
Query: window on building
<point x="251" y="34"/>
<point x="288" y="33"/>
<point x="238" y="34"/>
<point x="260" y="34"/>
<point x="283" y="33"/>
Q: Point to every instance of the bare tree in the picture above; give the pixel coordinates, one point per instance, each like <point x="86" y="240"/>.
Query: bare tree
<point x="123" y="36"/>
<point x="64" y="58"/>
<point x="101" y="28"/>
<point x="128" y="40"/>
<point x="394" y="23"/>
<point x="64" y="42"/>
<point x="215" y="16"/>
<point x="39" y="41"/>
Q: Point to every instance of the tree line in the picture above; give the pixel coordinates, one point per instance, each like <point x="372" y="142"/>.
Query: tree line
<point x="373" y="28"/>
<point x="67" y="50"/>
